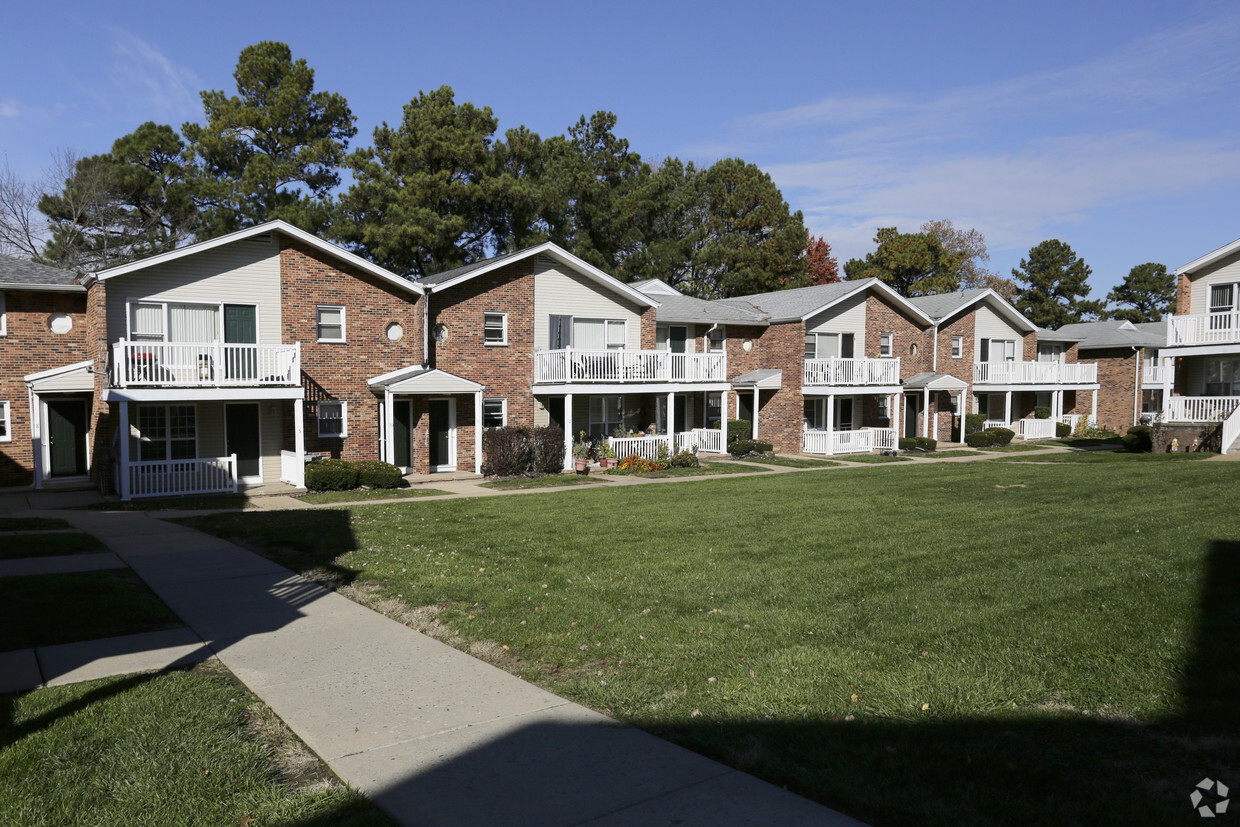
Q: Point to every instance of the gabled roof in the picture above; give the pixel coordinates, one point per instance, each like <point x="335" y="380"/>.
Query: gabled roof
<point x="935" y="381"/>
<point x="939" y="306"/>
<point x="1098" y="335"/>
<point x="653" y="287"/>
<point x="448" y="278"/>
<point x="417" y="379"/>
<point x="276" y="226"/>
<point x="48" y="374"/>
<point x="17" y="274"/>
<point x="1060" y="335"/>
<point x="762" y="379"/>
<point x="800" y="303"/>
<point x="1210" y="258"/>
<point x="676" y="307"/>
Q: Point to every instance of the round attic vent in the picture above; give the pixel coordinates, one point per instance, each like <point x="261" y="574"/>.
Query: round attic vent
<point x="60" y="323"/>
<point x="395" y="332"/>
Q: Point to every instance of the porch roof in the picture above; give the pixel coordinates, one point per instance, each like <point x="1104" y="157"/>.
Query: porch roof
<point x="418" y="379"/>
<point x="762" y="379"/>
<point x="75" y="377"/>
<point x="935" y="382"/>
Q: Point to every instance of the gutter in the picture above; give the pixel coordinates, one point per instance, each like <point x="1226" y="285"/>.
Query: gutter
<point x="42" y="288"/>
<point x="426" y="323"/>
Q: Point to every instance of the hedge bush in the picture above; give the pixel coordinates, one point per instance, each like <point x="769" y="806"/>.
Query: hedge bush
<point x="373" y="473"/>
<point x="1063" y="429"/>
<point x="907" y="443"/>
<point x="927" y="444"/>
<point x="918" y="443"/>
<point x="548" y="449"/>
<point x="979" y="439"/>
<point x="684" y="459"/>
<point x="522" y="452"/>
<point x="1139" y="439"/>
<point x="741" y="447"/>
<point x="739" y="429"/>
<point x="1041" y="412"/>
<point x="331" y="475"/>
<point x="1002" y="436"/>
<point x="973" y="423"/>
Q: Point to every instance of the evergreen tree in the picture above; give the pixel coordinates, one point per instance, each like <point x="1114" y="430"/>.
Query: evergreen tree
<point x="1054" y="284"/>
<point x="273" y="150"/>
<point x="1149" y="292"/>
<point x="912" y="264"/>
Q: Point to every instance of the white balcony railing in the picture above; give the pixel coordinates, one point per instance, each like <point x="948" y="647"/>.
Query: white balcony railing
<point x="1072" y="420"/>
<point x="165" y="478"/>
<point x="1034" y="373"/>
<point x="1200" y="408"/>
<point x="705" y="440"/>
<point x="1204" y="329"/>
<point x="835" y="371"/>
<point x="570" y="365"/>
<point x="646" y="447"/>
<point x="860" y="441"/>
<point x="1036" y="428"/>
<point x="1158" y="375"/>
<point x="994" y="423"/>
<point x="204" y="364"/>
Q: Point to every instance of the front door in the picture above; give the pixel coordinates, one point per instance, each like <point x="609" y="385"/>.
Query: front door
<point x="402" y="426"/>
<point x="442" y="436"/>
<point x="744" y="403"/>
<point x="241" y="437"/>
<point x="66" y="437"/>
<point x="912" y="404"/>
<point x="241" y="327"/>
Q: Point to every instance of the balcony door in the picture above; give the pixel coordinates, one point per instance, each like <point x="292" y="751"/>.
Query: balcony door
<point x="241" y="327"/>
<point x="242" y="437"/>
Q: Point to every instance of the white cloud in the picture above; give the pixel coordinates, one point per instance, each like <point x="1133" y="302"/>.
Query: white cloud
<point x="153" y="82"/>
<point x="9" y="109"/>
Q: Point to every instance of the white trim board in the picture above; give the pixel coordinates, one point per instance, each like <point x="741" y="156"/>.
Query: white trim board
<point x="201" y="394"/>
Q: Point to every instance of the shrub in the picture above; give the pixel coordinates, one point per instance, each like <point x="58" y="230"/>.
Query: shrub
<point x="1139" y="439"/>
<point x="1002" y="436"/>
<point x="980" y="439"/>
<point x="373" y="473"/>
<point x="973" y="423"/>
<point x="331" y="475"/>
<point x="1063" y="429"/>
<point x="685" y="459"/>
<point x="548" y="450"/>
<point x="908" y="443"/>
<point x="744" y="447"/>
<point x="739" y="429"/>
<point x="1041" y="412"/>
<point x="927" y="444"/>
<point x="506" y="451"/>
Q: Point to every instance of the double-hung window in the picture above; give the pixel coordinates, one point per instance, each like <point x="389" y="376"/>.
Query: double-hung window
<point x="1222" y="303"/>
<point x="957" y="347"/>
<point x="598" y="334"/>
<point x="6" y="426"/>
<point x="886" y="345"/>
<point x="494" y="329"/>
<point x="829" y="345"/>
<point x="606" y="414"/>
<point x="333" y="419"/>
<point x="330" y="321"/>
<point x="494" y="412"/>
<point x="166" y="432"/>
<point x="998" y="350"/>
<point x="716" y="341"/>
<point x="1050" y="353"/>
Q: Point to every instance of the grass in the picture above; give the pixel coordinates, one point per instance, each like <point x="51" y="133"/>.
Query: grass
<point x="1096" y="457"/>
<point x="935" y="644"/>
<point x="1088" y="442"/>
<point x="522" y="483"/>
<point x="706" y="469"/>
<point x="792" y="462"/>
<point x="46" y="609"/>
<point x="16" y="546"/>
<point x="945" y="454"/>
<point x="182" y="747"/>
<point x="875" y="458"/>
<point x="32" y="524"/>
<point x="1016" y="448"/>
<point x="327" y="497"/>
<point x="223" y="502"/>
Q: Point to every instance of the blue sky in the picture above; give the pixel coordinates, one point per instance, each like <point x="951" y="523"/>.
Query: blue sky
<point x="1113" y="127"/>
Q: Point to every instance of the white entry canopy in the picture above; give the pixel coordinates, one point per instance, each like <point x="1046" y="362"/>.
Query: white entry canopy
<point x="422" y="380"/>
<point x="75" y="377"/>
<point x="935" y="382"/>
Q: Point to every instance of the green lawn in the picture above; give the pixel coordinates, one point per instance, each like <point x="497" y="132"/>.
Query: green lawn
<point x="46" y="609"/>
<point x="1109" y="456"/>
<point x="15" y="546"/>
<point x="878" y="458"/>
<point x="943" y="454"/>
<point x="554" y="481"/>
<point x="327" y="497"/>
<point x="1018" y="447"/>
<point x="222" y="502"/>
<point x="792" y="462"/>
<point x="706" y="469"/>
<point x="969" y="643"/>
<point x="1089" y="442"/>
<point x="31" y="524"/>
<point x="173" y="748"/>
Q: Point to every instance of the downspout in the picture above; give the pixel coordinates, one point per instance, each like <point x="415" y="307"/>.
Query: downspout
<point x="1136" y="394"/>
<point x="934" y="366"/>
<point x="426" y="328"/>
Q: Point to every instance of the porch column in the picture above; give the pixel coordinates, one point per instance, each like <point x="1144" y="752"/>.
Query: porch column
<point x="1166" y="390"/>
<point x="755" y="411"/>
<point x="831" y="423"/>
<point x="1007" y="409"/>
<point x="934" y="428"/>
<point x="964" y="411"/>
<point x="723" y="422"/>
<point x="897" y="402"/>
<point x="36" y="435"/>
<point x="299" y="438"/>
<point x="568" y="432"/>
<point x="477" y="432"/>
<point x="1093" y="412"/>
<point x="389" y="426"/>
<point x="123" y="430"/>
<point x="671" y="421"/>
<point x="925" y="413"/>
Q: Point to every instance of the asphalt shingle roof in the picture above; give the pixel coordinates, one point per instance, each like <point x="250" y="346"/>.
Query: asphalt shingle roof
<point x="940" y="305"/>
<point x="787" y="305"/>
<point x="448" y="275"/>
<point x="1096" y="335"/>
<point x="678" y="308"/>
<point x="17" y="271"/>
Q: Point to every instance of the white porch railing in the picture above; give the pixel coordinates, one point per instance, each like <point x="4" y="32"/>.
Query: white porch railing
<point x="705" y="440"/>
<point x="646" y="447"/>
<point x="570" y="365"/>
<point x="849" y="442"/>
<point x="1071" y="420"/>
<point x="163" y="478"/>
<point x="204" y="364"/>
<point x="1200" y="408"/>
<point x="1204" y="329"/>
<point x="1036" y="428"/>
<point x="1158" y="375"/>
<point x="1231" y="430"/>
<point x="1034" y="373"/>
<point x="834" y="371"/>
<point x="994" y="423"/>
<point x="292" y="469"/>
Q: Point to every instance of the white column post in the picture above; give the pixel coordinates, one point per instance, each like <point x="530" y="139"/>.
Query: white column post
<point x="299" y="439"/>
<point x="389" y="426"/>
<point x="671" y="422"/>
<point x="1093" y="412"/>
<point x="756" y="401"/>
<point x="934" y="428"/>
<point x="1166" y="390"/>
<point x="478" y="432"/>
<point x="897" y="402"/>
<point x="1007" y="409"/>
<point x="723" y="422"/>
<point x="830" y="423"/>
<point x="964" y="411"/>
<point x="925" y="413"/>
<point x="568" y="431"/>
<point x="123" y="430"/>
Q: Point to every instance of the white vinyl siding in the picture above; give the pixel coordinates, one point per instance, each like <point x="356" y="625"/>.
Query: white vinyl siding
<point x="1226" y="271"/>
<point x="211" y="441"/>
<point x="559" y="291"/>
<point x="330" y="323"/>
<point x="846" y="317"/>
<point x="990" y="325"/>
<point x="246" y="272"/>
<point x="333" y="419"/>
<point x="6" y="424"/>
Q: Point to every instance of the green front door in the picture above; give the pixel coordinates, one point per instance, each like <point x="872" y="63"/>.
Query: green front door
<point x="241" y="437"/>
<point x="241" y="327"/>
<point x="66" y="437"/>
<point x="402" y="424"/>
<point x="440" y="427"/>
<point x="676" y="337"/>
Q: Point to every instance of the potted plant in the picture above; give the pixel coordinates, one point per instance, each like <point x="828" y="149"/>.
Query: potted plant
<point x="581" y="453"/>
<point x="606" y="456"/>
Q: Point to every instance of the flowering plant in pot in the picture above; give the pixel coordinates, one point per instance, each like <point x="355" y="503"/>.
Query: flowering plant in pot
<point x="606" y="456"/>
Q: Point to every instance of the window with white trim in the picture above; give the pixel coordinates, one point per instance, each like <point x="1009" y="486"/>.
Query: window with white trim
<point x="829" y="345"/>
<point x="598" y="334"/>
<point x="166" y="432"/>
<point x="6" y="427"/>
<point x="494" y="329"/>
<point x="884" y="406"/>
<point x="4" y="317"/>
<point x="333" y="419"/>
<point x="494" y="412"/>
<point x="717" y="340"/>
<point x="957" y="347"/>
<point x="330" y="323"/>
<point x="1050" y="352"/>
<point x="886" y="344"/>
<point x="146" y="321"/>
<point x="606" y="414"/>
<point x="998" y="350"/>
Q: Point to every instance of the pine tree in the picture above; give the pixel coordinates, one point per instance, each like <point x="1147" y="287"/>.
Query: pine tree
<point x="1149" y="292"/>
<point x="1054" y="284"/>
<point x="912" y="264"/>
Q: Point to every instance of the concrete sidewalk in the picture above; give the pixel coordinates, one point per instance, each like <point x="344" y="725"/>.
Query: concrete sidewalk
<point x="25" y="669"/>
<point x="430" y="734"/>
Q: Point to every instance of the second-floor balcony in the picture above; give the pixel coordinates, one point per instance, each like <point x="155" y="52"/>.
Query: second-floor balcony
<point x="1204" y="329"/>
<point x="204" y="365"/>
<point x="569" y="366"/>
<point x="837" y="371"/>
<point x="1034" y="373"/>
<point x="1157" y="375"/>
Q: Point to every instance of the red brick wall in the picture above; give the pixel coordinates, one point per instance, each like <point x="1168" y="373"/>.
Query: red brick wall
<point x="1117" y="382"/>
<point x="309" y="277"/>
<point x="28" y="347"/>
<point x="781" y="413"/>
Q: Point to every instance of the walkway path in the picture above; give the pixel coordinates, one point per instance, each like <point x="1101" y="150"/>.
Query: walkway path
<point x="432" y="735"/>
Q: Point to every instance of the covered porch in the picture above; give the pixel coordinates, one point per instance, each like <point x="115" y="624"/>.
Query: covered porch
<point x="933" y="400"/>
<point x="430" y="421"/>
<point x="1015" y="408"/>
<point x="843" y="421"/>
